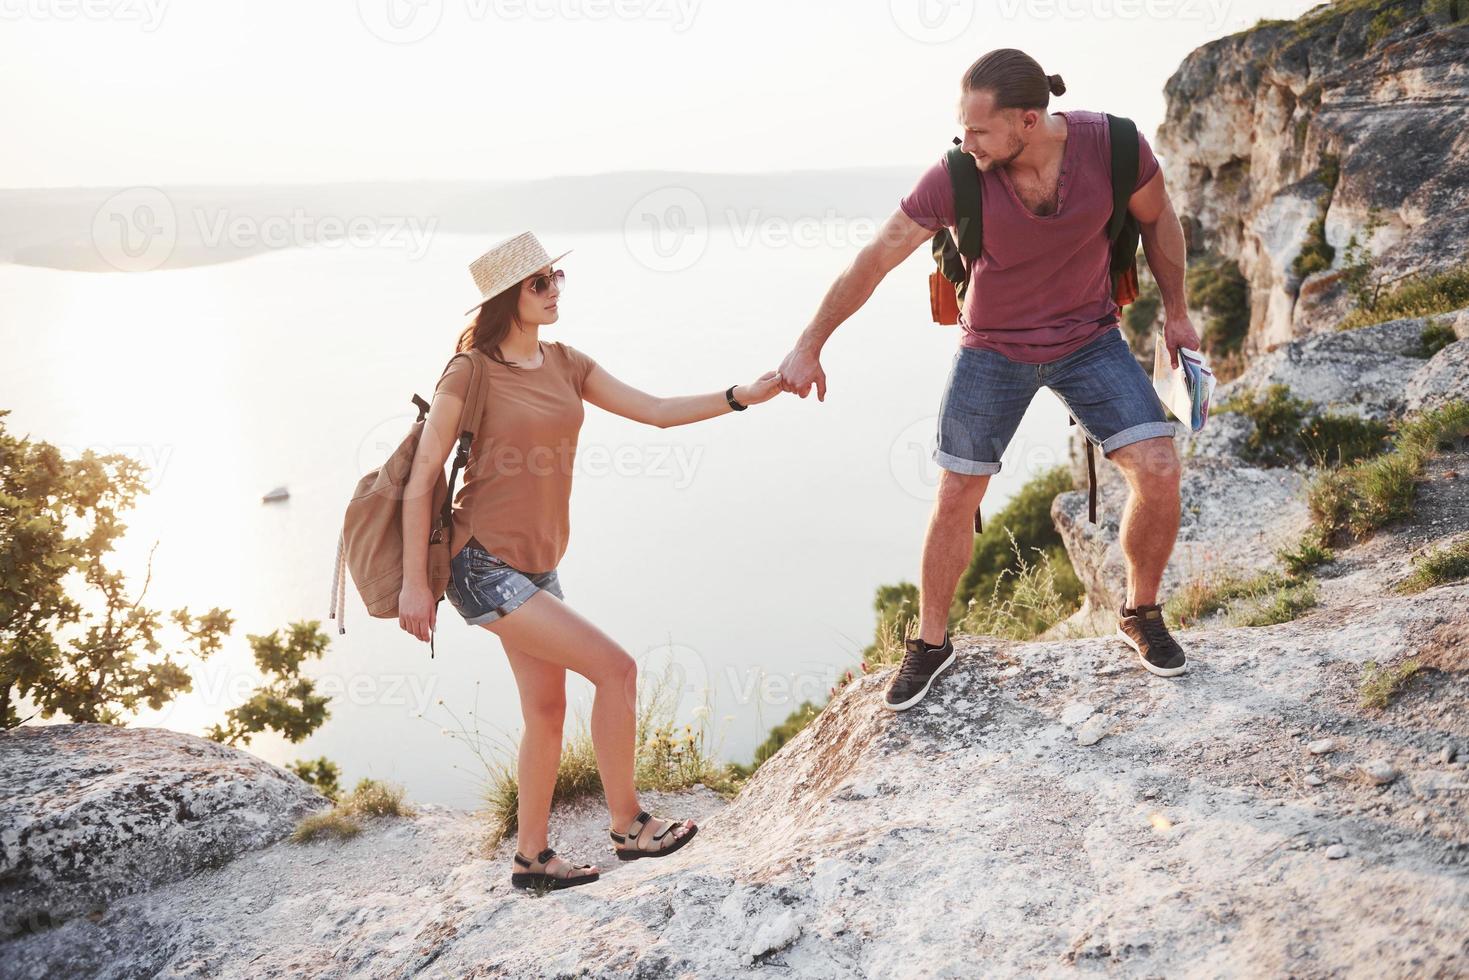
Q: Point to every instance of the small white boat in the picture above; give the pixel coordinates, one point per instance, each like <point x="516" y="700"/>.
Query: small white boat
<point x="279" y="493"/>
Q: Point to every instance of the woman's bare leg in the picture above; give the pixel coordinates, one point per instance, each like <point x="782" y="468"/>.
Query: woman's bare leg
<point x="542" y="688"/>
<point x="548" y="630"/>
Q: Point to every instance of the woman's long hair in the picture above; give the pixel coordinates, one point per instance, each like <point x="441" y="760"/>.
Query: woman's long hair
<point x="491" y="325"/>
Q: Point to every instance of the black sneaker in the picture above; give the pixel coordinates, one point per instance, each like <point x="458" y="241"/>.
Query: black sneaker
<point x="1142" y="628"/>
<point x="921" y="664"/>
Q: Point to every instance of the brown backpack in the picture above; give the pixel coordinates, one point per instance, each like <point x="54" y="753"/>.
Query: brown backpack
<point x="371" y="543"/>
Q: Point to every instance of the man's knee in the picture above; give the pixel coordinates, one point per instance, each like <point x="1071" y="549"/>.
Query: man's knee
<point x="1150" y="464"/>
<point x="960" y="493"/>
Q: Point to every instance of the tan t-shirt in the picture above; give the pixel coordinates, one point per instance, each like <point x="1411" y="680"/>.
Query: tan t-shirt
<point x="516" y="491"/>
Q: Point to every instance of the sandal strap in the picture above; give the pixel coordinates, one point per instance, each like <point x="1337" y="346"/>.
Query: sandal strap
<point x="638" y="822"/>
<point x="672" y="826"/>
<point x="546" y="855"/>
<point x="524" y="862"/>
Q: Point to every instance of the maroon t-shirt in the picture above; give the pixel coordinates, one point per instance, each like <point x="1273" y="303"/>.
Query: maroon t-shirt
<point x="1041" y="288"/>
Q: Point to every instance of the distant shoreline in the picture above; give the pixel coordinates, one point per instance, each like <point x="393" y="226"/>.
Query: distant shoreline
<point x="108" y="229"/>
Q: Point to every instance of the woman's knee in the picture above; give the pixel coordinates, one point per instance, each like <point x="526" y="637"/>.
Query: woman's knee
<point x="616" y="668"/>
<point x="545" y="710"/>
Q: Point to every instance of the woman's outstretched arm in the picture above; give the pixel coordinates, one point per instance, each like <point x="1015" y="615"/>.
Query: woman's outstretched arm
<point x="619" y="398"/>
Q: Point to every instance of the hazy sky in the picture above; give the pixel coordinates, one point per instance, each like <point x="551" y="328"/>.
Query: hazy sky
<point x="126" y="92"/>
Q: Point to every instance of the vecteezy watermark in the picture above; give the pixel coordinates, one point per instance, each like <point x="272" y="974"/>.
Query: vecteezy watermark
<point x="217" y="685"/>
<point x="1214" y="11"/>
<point x="154" y="457"/>
<point x="654" y="461"/>
<point x="138" y="229"/>
<point x="914" y="468"/>
<point x="784" y="690"/>
<point x="932" y="21"/>
<point x="135" y="230"/>
<point x="667" y="230"/>
<point x="409" y="21"/>
<point x="147" y="14"/>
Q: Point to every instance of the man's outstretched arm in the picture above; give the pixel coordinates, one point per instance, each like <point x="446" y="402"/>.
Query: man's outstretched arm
<point x="895" y="241"/>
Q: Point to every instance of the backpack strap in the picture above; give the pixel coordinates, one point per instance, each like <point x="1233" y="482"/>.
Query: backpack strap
<point x="968" y="203"/>
<point x="1122" y="133"/>
<point x="955" y="258"/>
<point x="1091" y="475"/>
<point x="469" y="413"/>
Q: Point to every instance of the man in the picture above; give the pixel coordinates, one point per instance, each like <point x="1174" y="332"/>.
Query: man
<point x="1038" y="311"/>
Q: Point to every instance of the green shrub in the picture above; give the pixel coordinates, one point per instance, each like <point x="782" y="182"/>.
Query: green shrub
<point x="1262" y="599"/>
<point x="1287" y="431"/>
<point x="1381" y="684"/>
<point x="1026" y="518"/>
<point x="1354" y="501"/>
<point x="321" y="773"/>
<point x="1382" y="25"/>
<point x="1139" y="316"/>
<point x="369" y="800"/>
<point x="669" y="756"/>
<point x="786" y="730"/>
<point x="1447" y="564"/>
<point x="1317" y="254"/>
<point x="1308" y="553"/>
<point x="1217" y="287"/>
<point x="1440" y="292"/>
<point x="1032" y="601"/>
<point x="1435" y="336"/>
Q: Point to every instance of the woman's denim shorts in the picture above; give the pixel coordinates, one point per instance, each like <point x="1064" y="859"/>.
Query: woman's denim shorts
<point x="1100" y="383"/>
<point x="483" y="588"/>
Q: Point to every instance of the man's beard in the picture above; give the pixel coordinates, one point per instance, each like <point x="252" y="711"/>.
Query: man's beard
<point x="1015" y="149"/>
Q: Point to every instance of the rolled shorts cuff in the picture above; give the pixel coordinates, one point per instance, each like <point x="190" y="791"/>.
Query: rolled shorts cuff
<point x="969" y="467"/>
<point x="508" y="606"/>
<point x="1137" y="433"/>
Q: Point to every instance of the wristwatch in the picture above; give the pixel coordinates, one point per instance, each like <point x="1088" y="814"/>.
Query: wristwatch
<point x="729" y="397"/>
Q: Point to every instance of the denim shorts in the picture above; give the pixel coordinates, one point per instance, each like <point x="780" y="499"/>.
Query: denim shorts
<point x="1100" y="383"/>
<point x="484" y="588"/>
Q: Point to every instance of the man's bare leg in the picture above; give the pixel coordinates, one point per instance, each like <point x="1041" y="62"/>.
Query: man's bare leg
<point x="1151" y="517"/>
<point x="947" y="548"/>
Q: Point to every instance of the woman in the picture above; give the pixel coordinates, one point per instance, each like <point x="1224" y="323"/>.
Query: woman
<point x="510" y="531"/>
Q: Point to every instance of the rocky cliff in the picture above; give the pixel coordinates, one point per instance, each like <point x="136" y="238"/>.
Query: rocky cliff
<point x="1050" y="809"/>
<point x="1357" y="105"/>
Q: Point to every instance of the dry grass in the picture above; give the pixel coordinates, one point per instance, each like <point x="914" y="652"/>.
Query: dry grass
<point x="1263" y="599"/>
<point x="369" y="800"/>
<point x="670" y="756"/>
<point x="1440" y="566"/>
<point x="1033" y="604"/>
<point x="1355" y="501"/>
<point x="1381" y="684"/>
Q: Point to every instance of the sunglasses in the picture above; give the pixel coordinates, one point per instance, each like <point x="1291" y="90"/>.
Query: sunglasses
<point x="539" y="284"/>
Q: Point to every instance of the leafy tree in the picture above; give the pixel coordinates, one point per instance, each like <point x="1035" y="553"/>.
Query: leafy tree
<point x="58" y="520"/>
<point x="287" y="703"/>
<point x="322" y="773"/>
<point x="58" y="517"/>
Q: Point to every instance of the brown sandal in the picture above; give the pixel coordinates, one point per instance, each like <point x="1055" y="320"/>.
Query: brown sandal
<point x="543" y="880"/>
<point x="636" y="827"/>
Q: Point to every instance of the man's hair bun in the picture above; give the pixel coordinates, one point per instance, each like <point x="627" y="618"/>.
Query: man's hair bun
<point x="1057" y="86"/>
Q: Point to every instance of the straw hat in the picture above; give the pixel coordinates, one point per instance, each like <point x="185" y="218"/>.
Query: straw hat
<point x="507" y="264"/>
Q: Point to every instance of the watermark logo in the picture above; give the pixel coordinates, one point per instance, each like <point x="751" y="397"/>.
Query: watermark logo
<point x="932" y="21"/>
<point x="139" y="228"/>
<point x="667" y="230"/>
<point x="400" y="21"/>
<point x="910" y="458"/>
<point x="136" y="229"/>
